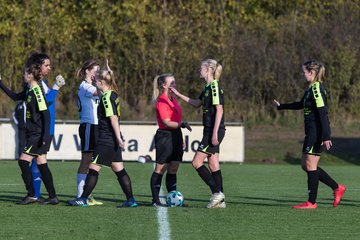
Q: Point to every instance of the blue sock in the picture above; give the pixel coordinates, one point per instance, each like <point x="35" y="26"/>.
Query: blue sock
<point x="36" y="178"/>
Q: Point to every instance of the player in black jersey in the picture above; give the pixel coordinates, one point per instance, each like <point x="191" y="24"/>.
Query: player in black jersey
<point x="212" y="101"/>
<point x="43" y="60"/>
<point x="110" y="142"/>
<point x="37" y="136"/>
<point x="317" y="133"/>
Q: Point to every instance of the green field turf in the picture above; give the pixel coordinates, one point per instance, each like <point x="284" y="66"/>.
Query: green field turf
<point x="258" y="196"/>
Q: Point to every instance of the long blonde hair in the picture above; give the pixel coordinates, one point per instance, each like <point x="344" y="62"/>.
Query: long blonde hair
<point x="216" y="68"/>
<point x="318" y="67"/>
<point x="108" y="77"/>
<point x="159" y="80"/>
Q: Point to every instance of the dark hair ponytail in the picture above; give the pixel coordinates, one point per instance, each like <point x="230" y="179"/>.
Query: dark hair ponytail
<point x="318" y="67"/>
<point x="89" y="64"/>
<point x="35" y="70"/>
<point x="37" y="58"/>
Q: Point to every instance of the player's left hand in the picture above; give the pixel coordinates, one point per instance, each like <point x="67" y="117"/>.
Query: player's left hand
<point x="327" y="144"/>
<point x="214" y="140"/>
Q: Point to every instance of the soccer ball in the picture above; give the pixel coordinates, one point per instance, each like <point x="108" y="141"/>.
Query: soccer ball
<point x="174" y="199"/>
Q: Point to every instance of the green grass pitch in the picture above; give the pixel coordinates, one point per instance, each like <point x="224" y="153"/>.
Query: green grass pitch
<point x="258" y="197"/>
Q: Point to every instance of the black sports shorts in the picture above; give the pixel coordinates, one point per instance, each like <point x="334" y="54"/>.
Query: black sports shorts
<point x="105" y="155"/>
<point x="88" y="135"/>
<point x="34" y="145"/>
<point x="169" y="146"/>
<point x="206" y="145"/>
<point x="312" y="141"/>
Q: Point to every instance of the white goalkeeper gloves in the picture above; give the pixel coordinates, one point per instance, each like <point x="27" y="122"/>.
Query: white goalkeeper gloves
<point x="59" y="82"/>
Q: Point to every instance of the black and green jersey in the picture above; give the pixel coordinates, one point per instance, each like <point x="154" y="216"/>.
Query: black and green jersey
<point x="109" y="106"/>
<point x="315" y="107"/>
<point x="211" y="96"/>
<point x="37" y="113"/>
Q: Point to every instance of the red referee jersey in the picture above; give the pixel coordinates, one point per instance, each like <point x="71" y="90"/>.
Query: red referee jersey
<point x="166" y="108"/>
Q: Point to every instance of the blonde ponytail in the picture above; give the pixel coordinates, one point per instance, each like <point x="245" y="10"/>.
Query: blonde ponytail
<point x="216" y="68"/>
<point x="109" y="78"/>
<point x="156" y="90"/>
<point x="218" y="71"/>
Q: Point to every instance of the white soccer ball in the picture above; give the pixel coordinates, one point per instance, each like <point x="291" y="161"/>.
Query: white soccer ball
<point x="174" y="199"/>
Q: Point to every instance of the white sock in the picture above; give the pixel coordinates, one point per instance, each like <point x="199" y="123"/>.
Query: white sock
<point x="80" y="181"/>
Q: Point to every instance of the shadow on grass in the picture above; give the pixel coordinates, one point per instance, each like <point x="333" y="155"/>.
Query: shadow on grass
<point x="292" y="159"/>
<point x="347" y="149"/>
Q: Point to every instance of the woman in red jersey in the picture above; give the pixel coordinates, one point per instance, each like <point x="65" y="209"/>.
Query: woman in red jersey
<point x="168" y="138"/>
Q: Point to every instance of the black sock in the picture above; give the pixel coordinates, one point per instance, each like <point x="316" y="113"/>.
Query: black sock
<point x="313" y="184"/>
<point x="47" y="179"/>
<point x="218" y="179"/>
<point x="125" y="183"/>
<point x="90" y="183"/>
<point x="27" y="177"/>
<point x="326" y="179"/>
<point x="155" y="185"/>
<point x="170" y="182"/>
<point x="208" y="178"/>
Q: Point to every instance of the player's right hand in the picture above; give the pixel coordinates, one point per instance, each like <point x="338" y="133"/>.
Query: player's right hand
<point x="276" y="103"/>
<point x="60" y="81"/>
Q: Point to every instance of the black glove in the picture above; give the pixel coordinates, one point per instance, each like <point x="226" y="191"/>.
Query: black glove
<point x="186" y="125"/>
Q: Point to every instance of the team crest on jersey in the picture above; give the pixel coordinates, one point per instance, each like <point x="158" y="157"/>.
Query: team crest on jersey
<point x="206" y="93"/>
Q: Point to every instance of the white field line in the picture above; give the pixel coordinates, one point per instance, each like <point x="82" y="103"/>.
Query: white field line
<point x="163" y="220"/>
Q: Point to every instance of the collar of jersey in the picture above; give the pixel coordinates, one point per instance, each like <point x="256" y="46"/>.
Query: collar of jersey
<point x="208" y="84"/>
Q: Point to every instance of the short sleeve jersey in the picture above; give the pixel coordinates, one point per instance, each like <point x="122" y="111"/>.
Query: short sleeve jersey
<point x="35" y="104"/>
<point x="109" y="105"/>
<point x="211" y="96"/>
<point x="87" y="103"/>
<point x="167" y="108"/>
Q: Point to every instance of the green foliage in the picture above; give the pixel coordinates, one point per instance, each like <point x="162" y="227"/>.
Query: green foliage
<point x="261" y="45"/>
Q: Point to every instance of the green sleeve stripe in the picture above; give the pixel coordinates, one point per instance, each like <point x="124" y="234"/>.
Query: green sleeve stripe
<point x="117" y="101"/>
<point x="40" y="98"/>
<point x="215" y="92"/>
<point x="317" y="95"/>
<point x="107" y="104"/>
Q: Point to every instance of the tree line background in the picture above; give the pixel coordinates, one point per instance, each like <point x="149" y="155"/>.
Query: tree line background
<point x="261" y="45"/>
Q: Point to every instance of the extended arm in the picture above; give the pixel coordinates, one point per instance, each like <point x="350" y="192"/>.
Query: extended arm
<point x="193" y="102"/>
<point x="292" y="106"/>
<point x="11" y="94"/>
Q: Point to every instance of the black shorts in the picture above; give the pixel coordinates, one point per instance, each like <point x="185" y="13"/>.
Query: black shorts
<point x="105" y="155"/>
<point x="34" y="146"/>
<point x="312" y="141"/>
<point x="206" y="145"/>
<point x="88" y="135"/>
<point x="169" y="146"/>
